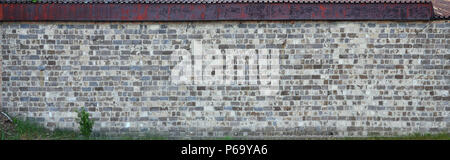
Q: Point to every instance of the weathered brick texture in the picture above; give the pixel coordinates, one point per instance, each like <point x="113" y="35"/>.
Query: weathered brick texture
<point x="231" y="78"/>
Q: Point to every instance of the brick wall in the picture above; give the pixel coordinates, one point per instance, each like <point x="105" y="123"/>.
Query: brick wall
<point x="1" y="104"/>
<point x="231" y="78"/>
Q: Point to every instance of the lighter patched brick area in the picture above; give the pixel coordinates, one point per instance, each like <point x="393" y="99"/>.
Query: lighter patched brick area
<point x="267" y="78"/>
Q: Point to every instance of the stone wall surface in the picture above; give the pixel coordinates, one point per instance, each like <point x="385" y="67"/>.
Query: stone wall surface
<point x="251" y="78"/>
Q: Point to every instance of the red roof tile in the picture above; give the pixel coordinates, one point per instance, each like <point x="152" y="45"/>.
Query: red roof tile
<point x="441" y="8"/>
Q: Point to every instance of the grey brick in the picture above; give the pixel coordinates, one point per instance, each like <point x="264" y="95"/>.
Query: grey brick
<point x="129" y="74"/>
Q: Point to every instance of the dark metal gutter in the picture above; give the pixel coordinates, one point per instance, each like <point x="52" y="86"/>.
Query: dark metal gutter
<point x="215" y="12"/>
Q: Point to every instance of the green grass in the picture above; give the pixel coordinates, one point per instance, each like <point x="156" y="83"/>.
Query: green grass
<point x="26" y="130"/>
<point x="2" y="136"/>
<point x="415" y="136"/>
<point x="225" y="138"/>
<point x="128" y="137"/>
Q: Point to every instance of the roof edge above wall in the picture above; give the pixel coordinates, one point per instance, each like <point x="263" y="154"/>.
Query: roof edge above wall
<point x="215" y="12"/>
<point x="206" y="1"/>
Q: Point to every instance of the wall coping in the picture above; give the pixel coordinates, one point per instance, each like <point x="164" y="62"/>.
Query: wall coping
<point x="215" y="12"/>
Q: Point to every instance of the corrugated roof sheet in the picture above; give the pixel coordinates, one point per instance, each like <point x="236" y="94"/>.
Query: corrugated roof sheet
<point x="441" y="7"/>
<point x="216" y="1"/>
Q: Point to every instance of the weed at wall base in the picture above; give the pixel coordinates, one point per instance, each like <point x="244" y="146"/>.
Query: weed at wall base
<point x="86" y="124"/>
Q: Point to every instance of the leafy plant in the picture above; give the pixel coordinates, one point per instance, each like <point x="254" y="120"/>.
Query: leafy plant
<point x="86" y="124"/>
<point x="34" y="1"/>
